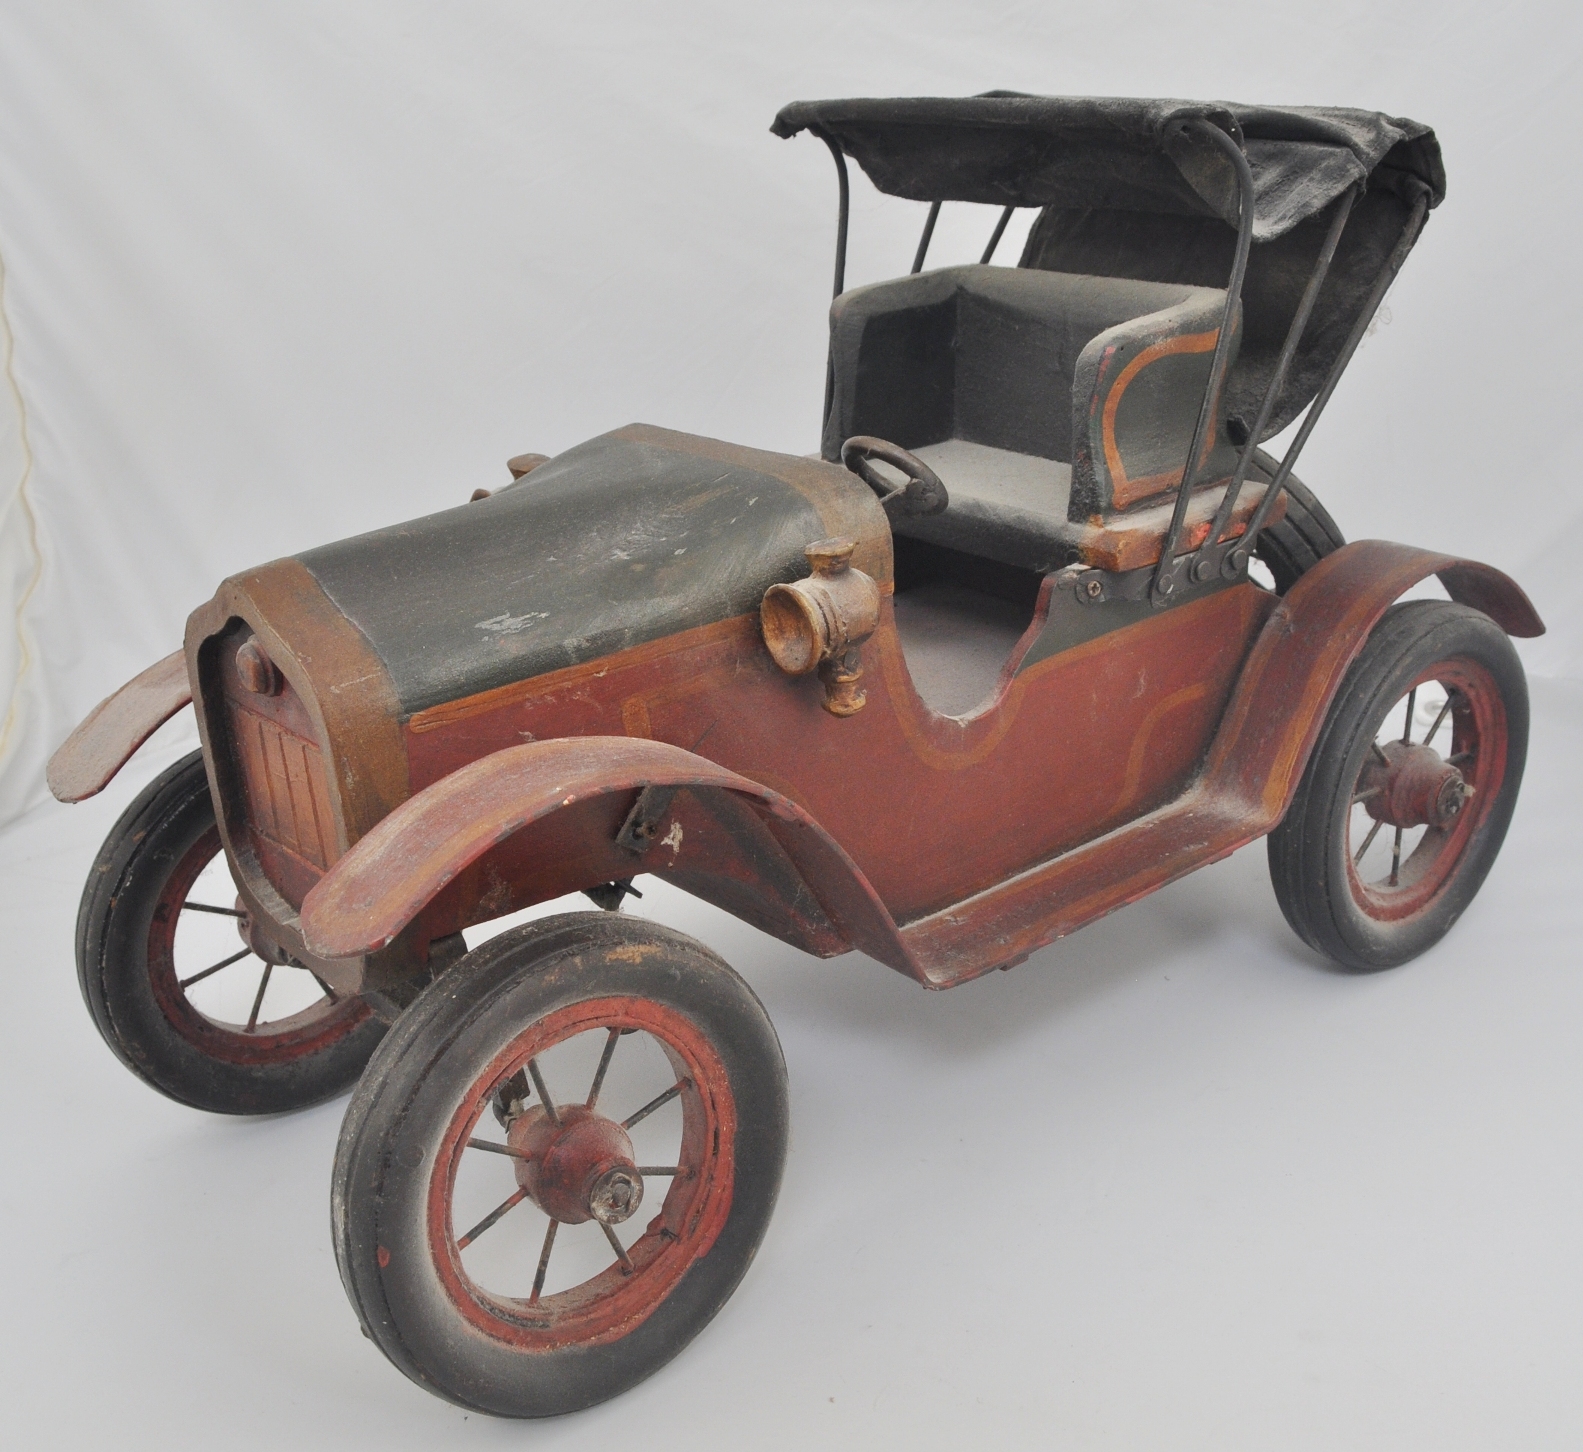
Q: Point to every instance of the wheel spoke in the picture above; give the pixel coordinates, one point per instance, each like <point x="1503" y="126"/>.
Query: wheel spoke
<point x="1444" y="712"/>
<point x="1396" y="858"/>
<point x="1374" y="746"/>
<point x="328" y="991"/>
<point x="604" y="1064"/>
<point x="508" y="1204"/>
<point x="1407" y="724"/>
<point x="1364" y="796"/>
<point x="258" y="999"/>
<point x="214" y="968"/>
<point x="499" y="1149"/>
<point x="544" y="1262"/>
<point x="661" y="1170"/>
<point x="655" y="1103"/>
<point x="203" y="907"/>
<point x="1367" y="842"/>
<point x="544" y="1094"/>
<point x="616" y="1245"/>
<point x="1461" y="758"/>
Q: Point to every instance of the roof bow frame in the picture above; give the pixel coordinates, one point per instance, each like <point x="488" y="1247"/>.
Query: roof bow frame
<point x="1117" y="154"/>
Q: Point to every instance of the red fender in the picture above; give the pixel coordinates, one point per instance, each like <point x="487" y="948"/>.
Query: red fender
<point x="1315" y="633"/>
<point x="393" y="873"/>
<point x="91" y="756"/>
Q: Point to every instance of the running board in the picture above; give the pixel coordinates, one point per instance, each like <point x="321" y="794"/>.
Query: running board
<point x="1001" y="926"/>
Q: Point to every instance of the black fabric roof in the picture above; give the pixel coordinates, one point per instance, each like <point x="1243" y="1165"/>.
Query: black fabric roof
<point x="1119" y="154"/>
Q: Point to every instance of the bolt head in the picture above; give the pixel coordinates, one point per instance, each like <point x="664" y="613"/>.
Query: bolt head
<point x="257" y="672"/>
<point x="616" y="1195"/>
<point x="1452" y="797"/>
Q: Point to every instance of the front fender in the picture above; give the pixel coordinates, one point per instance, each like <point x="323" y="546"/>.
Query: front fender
<point x="403" y="863"/>
<point x="91" y="756"/>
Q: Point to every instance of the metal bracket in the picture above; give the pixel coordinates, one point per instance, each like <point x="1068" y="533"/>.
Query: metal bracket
<point x="608" y="895"/>
<point x="642" y="825"/>
<point x="1228" y="561"/>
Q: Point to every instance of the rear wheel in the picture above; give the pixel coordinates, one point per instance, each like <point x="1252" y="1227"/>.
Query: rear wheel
<point x="496" y="1154"/>
<point x="1302" y="537"/>
<point x="1410" y="788"/>
<point x="174" y="987"/>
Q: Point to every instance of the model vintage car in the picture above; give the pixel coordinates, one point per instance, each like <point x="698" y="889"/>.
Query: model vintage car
<point x="1039" y="631"/>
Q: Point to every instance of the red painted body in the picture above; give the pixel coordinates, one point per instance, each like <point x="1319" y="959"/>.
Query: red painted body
<point x="1072" y="746"/>
<point x="942" y="846"/>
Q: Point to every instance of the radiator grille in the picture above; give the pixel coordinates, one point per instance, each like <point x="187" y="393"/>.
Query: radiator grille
<point x="283" y="778"/>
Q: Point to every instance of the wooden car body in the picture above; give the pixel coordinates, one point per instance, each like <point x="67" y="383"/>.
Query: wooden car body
<point x="420" y="763"/>
<point x="567" y="683"/>
<point x="993" y="663"/>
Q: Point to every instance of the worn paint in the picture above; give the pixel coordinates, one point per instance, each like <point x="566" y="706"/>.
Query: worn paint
<point x="91" y="756"/>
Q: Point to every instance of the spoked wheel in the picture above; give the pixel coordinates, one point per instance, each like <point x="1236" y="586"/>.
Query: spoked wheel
<point x="174" y="985"/>
<point x="1408" y="794"/>
<point x="560" y="1164"/>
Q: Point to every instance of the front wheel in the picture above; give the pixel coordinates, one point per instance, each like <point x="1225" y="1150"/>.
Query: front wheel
<point x="171" y="979"/>
<point x="1410" y="788"/>
<point x="500" y="1146"/>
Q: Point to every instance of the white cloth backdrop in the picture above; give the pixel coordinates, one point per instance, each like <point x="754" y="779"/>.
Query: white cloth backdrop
<point x="276" y="274"/>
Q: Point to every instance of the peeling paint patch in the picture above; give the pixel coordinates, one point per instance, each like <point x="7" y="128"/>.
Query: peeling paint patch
<point x="510" y="624"/>
<point x="634" y="952"/>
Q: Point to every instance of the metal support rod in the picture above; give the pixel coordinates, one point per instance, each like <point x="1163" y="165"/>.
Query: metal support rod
<point x="1393" y="265"/>
<point x="1164" y="578"/>
<point x="997" y="234"/>
<point x="842" y="214"/>
<point x="1294" y="336"/>
<point x="928" y="232"/>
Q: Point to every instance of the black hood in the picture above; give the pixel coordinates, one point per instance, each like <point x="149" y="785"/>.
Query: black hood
<point x="627" y="538"/>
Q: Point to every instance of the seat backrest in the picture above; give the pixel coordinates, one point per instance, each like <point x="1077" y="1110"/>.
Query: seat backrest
<point x="1103" y="373"/>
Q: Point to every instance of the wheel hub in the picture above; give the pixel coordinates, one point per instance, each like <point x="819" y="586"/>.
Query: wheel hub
<point x="1413" y="787"/>
<point x="578" y="1169"/>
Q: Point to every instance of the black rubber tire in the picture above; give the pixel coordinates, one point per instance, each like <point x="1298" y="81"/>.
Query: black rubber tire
<point x="123" y="891"/>
<point x="1308" y="851"/>
<point x="391" y="1146"/>
<point x="1302" y="537"/>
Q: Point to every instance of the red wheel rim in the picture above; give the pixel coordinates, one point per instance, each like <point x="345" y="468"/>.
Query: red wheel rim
<point x="263" y="1040"/>
<point x="617" y="1299"/>
<point x="1413" y="865"/>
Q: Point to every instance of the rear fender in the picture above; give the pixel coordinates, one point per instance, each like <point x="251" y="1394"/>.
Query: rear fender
<point x="729" y="840"/>
<point x="1302" y="655"/>
<point x="91" y="756"/>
